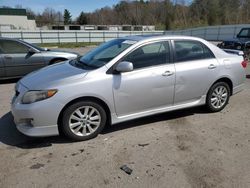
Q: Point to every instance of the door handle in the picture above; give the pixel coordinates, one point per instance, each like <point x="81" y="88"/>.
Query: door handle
<point x="212" y="66"/>
<point x="168" y="73"/>
<point x="7" y="57"/>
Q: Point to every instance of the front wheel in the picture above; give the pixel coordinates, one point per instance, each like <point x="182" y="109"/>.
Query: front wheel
<point x="83" y="120"/>
<point x="218" y="97"/>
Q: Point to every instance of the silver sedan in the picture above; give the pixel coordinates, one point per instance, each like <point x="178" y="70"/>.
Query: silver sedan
<point x="18" y="58"/>
<point x="124" y="79"/>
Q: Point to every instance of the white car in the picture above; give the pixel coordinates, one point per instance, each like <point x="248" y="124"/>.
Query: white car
<point x="124" y="79"/>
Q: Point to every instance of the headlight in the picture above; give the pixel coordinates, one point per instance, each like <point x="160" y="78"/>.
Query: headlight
<point x="34" y="96"/>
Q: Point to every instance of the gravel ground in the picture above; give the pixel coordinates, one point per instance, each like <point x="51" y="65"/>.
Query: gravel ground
<point x="186" y="148"/>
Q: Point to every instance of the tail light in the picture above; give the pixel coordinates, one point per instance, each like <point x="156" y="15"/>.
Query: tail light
<point x="244" y="64"/>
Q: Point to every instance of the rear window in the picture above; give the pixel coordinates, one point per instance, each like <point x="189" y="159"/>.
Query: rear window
<point x="191" y="50"/>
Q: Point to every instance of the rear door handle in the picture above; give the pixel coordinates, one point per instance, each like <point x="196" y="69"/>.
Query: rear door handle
<point x="168" y="73"/>
<point x="212" y="66"/>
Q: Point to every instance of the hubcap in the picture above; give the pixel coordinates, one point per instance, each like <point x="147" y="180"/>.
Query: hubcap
<point x="84" y="121"/>
<point x="219" y="97"/>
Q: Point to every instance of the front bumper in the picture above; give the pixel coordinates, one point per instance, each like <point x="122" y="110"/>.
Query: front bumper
<point x="38" y="119"/>
<point x="35" y="121"/>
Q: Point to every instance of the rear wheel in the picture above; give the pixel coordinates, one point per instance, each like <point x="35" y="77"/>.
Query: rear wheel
<point x="83" y="120"/>
<point x="218" y="97"/>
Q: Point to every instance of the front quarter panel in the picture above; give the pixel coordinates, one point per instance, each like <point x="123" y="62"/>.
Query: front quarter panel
<point x="48" y="56"/>
<point x="95" y="84"/>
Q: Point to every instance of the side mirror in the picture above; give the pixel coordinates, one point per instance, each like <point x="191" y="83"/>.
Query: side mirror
<point x="237" y="36"/>
<point x="33" y="51"/>
<point x="124" y="66"/>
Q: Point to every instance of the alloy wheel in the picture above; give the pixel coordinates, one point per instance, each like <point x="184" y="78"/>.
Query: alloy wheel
<point x="84" y="121"/>
<point x="219" y="97"/>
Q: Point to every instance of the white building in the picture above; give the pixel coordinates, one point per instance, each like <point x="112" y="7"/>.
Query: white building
<point x="16" y="19"/>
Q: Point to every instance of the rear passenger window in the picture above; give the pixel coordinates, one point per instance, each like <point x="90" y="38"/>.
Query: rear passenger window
<point x="191" y="50"/>
<point x="149" y="55"/>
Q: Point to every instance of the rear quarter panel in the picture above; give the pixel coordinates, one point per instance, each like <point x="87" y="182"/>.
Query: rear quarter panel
<point x="231" y="68"/>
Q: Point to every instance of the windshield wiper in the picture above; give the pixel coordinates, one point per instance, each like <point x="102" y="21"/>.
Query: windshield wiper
<point x="86" y="64"/>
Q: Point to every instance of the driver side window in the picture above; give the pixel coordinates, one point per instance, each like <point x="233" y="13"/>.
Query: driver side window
<point x="149" y="55"/>
<point x="12" y="47"/>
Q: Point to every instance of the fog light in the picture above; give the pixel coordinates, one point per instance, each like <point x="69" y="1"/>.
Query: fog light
<point x="26" y="121"/>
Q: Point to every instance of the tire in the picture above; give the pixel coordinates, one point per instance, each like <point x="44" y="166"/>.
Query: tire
<point x="83" y="120"/>
<point x="218" y="97"/>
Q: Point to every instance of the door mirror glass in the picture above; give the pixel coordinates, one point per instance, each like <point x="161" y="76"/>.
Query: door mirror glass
<point x="124" y="66"/>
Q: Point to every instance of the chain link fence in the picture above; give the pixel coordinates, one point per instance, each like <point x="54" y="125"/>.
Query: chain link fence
<point x="212" y="33"/>
<point x="51" y="36"/>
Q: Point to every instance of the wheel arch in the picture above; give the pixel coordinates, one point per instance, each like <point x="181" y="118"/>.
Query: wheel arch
<point x="226" y="80"/>
<point x="86" y="98"/>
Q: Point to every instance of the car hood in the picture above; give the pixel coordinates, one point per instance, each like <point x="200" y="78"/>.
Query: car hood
<point x="240" y="40"/>
<point x="53" y="76"/>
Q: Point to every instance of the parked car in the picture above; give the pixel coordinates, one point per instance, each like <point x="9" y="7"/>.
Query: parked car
<point x="18" y="58"/>
<point x="124" y="79"/>
<point x="241" y="42"/>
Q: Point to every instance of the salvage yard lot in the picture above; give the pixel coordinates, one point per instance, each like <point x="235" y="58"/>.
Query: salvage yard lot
<point x="186" y="148"/>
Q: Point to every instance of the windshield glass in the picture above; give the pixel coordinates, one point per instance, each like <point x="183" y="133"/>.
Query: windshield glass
<point x="105" y="53"/>
<point x="244" y="33"/>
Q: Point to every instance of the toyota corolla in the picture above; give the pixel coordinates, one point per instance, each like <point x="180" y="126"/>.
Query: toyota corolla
<point x="124" y="79"/>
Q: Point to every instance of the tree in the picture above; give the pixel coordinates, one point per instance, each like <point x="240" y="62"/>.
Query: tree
<point x="82" y="19"/>
<point x="165" y="14"/>
<point x="213" y="12"/>
<point x="67" y="17"/>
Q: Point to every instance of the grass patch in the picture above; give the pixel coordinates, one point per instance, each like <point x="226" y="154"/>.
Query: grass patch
<point x="68" y="45"/>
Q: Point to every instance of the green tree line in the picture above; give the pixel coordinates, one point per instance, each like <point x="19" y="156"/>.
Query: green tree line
<point x="164" y="14"/>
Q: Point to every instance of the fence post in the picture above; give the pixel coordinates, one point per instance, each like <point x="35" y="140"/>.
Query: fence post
<point x="89" y="37"/>
<point x="22" y="35"/>
<point x="41" y="37"/>
<point x="218" y="36"/>
<point x="76" y="37"/>
<point x="205" y="33"/>
<point x="235" y="29"/>
<point x="58" y="36"/>
<point x="0" y="33"/>
<point x="103" y="33"/>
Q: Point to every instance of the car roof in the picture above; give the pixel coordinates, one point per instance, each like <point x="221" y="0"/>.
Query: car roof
<point x="155" y="37"/>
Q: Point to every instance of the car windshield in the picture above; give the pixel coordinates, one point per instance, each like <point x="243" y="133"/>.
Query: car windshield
<point x="244" y="33"/>
<point x="105" y="53"/>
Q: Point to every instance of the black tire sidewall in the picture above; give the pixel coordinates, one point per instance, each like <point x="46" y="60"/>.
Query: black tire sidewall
<point x="209" y="95"/>
<point x="70" y="109"/>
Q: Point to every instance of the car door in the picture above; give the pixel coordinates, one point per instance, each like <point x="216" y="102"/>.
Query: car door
<point x="18" y="59"/>
<point x="150" y="85"/>
<point x="196" y="69"/>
